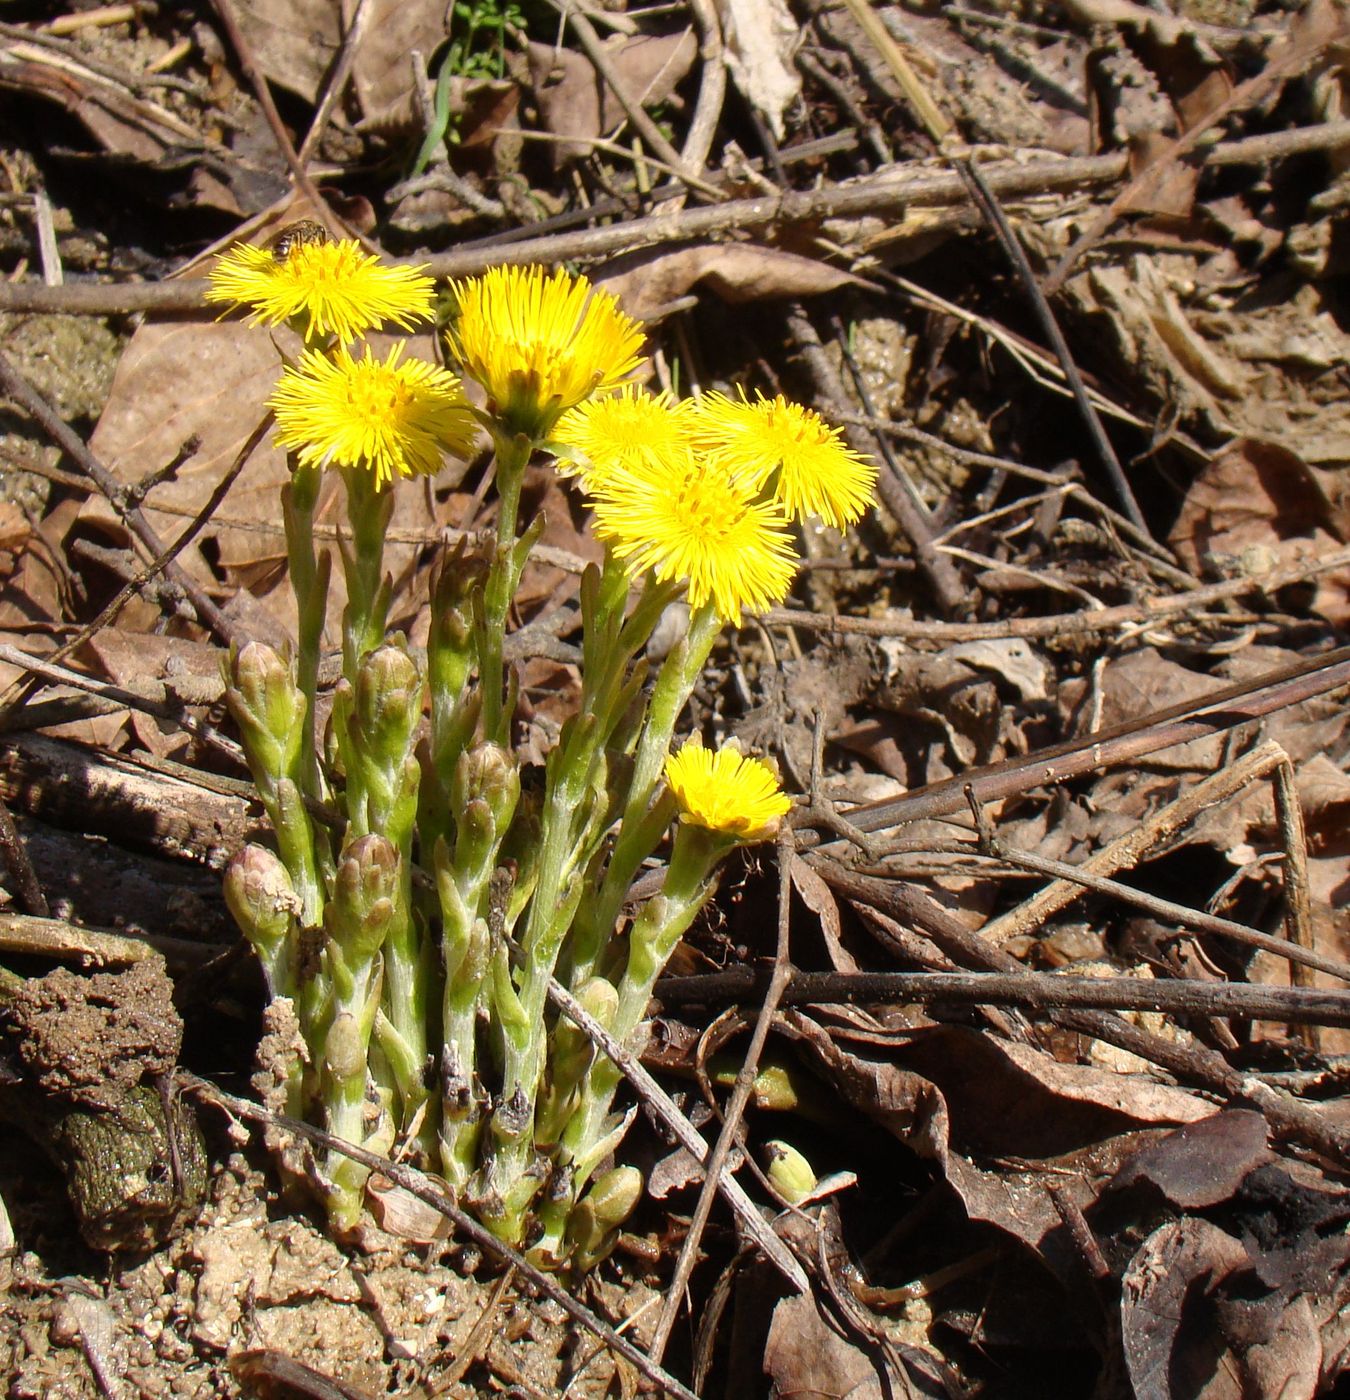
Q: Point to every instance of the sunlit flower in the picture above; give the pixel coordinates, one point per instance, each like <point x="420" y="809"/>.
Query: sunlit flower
<point x="725" y="791"/>
<point x="695" y="523"/>
<point x="396" y="419"/>
<point x="790" y="451"/>
<point x="539" y="344"/>
<point x="631" y="430"/>
<point x="335" y="289"/>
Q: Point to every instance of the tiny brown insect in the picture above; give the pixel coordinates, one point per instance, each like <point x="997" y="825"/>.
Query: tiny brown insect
<point x="300" y="234"/>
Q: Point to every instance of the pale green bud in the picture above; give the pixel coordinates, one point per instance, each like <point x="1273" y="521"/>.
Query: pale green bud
<point x="364" y="891"/>
<point x="344" y="1048"/>
<point x="260" y="895"/>
<point x="789" y="1171"/>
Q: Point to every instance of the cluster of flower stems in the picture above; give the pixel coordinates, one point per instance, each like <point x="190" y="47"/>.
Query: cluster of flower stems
<point x="420" y="897"/>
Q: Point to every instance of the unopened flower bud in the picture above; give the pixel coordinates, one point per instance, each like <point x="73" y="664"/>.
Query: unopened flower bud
<point x="344" y="1049"/>
<point x="364" y="890"/>
<point x="596" y="1218"/>
<point x="267" y="706"/>
<point x="489" y="772"/>
<point x="260" y="895"/>
<point x="790" y="1172"/>
<point x="388" y="700"/>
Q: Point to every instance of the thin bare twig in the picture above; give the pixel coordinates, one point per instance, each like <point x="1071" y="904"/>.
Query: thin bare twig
<point x="13" y="384"/>
<point x="632" y="106"/>
<point x="664" y="1107"/>
<point x="1030" y="991"/>
<point x="15" y="857"/>
<point x="1075" y="624"/>
<point x="734" y="1112"/>
<point x="1298" y="920"/>
<point x="1206" y="1069"/>
<point x="1193" y="719"/>
<point x="337" y="81"/>
<point x="1296" y="56"/>
<point x="897" y="491"/>
<point x="243" y="51"/>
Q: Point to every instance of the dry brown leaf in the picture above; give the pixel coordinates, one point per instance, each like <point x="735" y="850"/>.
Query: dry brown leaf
<point x="807" y="1359"/>
<point x="1258" y="500"/>
<point x="737" y="272"/>
<point x="761" y="40"/>
<point x="294" y="42"/>
<point x="181" y="378"/>
<point x="382" y="71"/>
<point x="575" y="103"/>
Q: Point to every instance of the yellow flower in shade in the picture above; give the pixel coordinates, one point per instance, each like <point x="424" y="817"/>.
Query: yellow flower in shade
<point x="726" y="792"/>
<point x="335" y="289"/>
<point x="695" y="523"/>
<point x="395" y="419"/>
<point x="789" y="450"/>
<point x="539" y="344"/>
<point x="631" y="430"/>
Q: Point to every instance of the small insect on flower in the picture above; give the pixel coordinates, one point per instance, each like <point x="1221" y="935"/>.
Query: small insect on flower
<point x="328" y="289"/>
<point x="726" y="792"/>
<point x="301" y="233"/>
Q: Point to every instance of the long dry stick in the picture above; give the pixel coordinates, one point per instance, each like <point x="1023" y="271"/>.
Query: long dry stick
<point x="939" y="131"/>
<point x="243" y="51"/>
<point x="664" y="1107"/>
<point x="1126" y="851"/>
<point x="898" y="493"/>
<point x="1076" y="624"/>
<point x="1192" y="1064"/>
<point x="889" y="191"/>
<point x="1031" y="991"/>
<point x="1193" y="719"/>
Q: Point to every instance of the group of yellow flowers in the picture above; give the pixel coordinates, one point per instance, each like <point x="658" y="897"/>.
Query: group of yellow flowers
<point x="696" y="497"/>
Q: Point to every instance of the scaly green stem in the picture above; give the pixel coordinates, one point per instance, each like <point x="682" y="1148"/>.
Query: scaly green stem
<point x="309" y="574"/>
<point x="513" y="456"/>
<point x="638" y="834"/>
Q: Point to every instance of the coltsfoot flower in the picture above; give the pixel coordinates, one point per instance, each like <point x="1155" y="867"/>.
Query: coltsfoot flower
<point x="393" y="417"/>
<point x="697" y="524"/>
<point x="336" y="289"/>
<point x="630" y="430"/>
<point x="539" y="344"/>
<point x="789" y="450"/>
<point x="726" y="792"/>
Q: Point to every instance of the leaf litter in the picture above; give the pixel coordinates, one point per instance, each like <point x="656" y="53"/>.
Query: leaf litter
<point x="1045" y="1203"/>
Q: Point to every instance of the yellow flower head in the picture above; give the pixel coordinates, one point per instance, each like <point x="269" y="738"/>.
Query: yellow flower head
<point x="725" y="792"/>
<point x="790" y="450"/>
<point x="631" y="431"/>
<point x="392" y="418"/>
<point x="335" y="289"/>
<point x="539" y="344"/>
<point x="694" y="522"/>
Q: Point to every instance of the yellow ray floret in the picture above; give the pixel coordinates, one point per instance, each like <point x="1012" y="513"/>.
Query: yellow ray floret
<point x="789" y="450"/>
<point x="692" y="522"/>
<point x="539" y="344"/>
<point x="392" y="418"/>
<point x="336" y="289"/>
<point x="725" y="792"/>
<point x="630" y="430"/>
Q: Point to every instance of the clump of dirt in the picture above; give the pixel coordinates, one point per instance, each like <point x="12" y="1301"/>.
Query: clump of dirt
<point x="248" y="1275"/>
